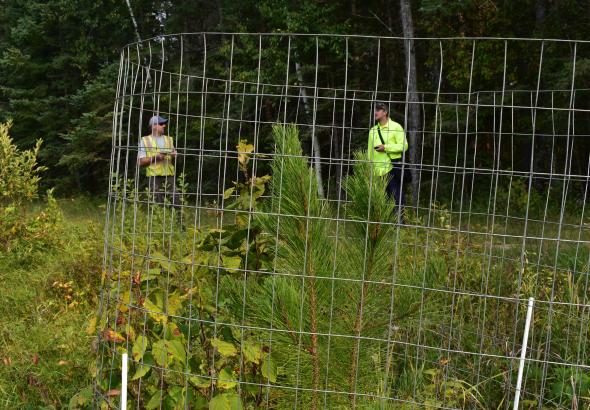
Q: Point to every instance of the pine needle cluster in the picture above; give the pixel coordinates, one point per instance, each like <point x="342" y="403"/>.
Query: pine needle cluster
<point x="318" y="302"/>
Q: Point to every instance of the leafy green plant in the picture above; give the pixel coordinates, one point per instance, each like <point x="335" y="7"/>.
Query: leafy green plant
<point x="19" y="171"/>
<point x="280" y="292"/>
<point x="304" y="249"/>
<point x="304" y="300"/>
<point x="167" y="302"/>
<point x="19" y="181"/>
<point x="569" y="388"/>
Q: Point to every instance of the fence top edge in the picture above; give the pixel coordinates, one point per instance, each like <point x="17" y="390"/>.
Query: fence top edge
<point x="356" y="36"/>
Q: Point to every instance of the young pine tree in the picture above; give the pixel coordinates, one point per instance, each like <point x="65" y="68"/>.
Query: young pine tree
<point x="322" y="299"/>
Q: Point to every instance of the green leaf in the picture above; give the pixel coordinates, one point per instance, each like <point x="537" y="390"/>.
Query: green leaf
<point x="164" y="262"/>
<point x="231" y="263"/>
<point x="177" y="349"/>
<point x="228" y="192"/>
<point x="174" y="304"/>
<point x="237" y="239"/>
<point x="165" y="351"/>
<point x="145" y="367"/>
<point x="154" y="401"/>
<point x="154" y="311"/>
<point x="200" y="382"/>
<point x="139" y="348"/>
<point x="151" y="274"/>
<point x="175" y="392"/>
<point x="226" y="401"/>
<point x="141" y="371"/>
<point x="173" y="331"/>
<point x="226" y="379"/>
<point x="250" y="389"/>
<point x="269" y="369"/>
<point x="252" y="352"/>
<point x="224" y="348"/>
<point x="81" y="399"/>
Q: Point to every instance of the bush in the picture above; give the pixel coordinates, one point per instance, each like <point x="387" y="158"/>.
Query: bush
<point x="19" y="183"/>
<point x="19" y="171"/>
<point x="49" y="276"/>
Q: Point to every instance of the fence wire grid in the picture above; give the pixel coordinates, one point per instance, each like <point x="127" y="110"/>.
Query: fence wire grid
<point x="273" y="272"/>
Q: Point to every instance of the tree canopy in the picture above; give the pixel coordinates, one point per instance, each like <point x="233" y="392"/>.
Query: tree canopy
<point x="59" y="59"/>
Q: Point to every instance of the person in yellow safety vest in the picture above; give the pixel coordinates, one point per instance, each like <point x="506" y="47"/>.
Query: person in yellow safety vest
<point x="387" y="144"/>
<point x="157" y="154"/>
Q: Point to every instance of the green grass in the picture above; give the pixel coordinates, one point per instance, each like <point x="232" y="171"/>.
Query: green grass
<point x="48" y="297"/>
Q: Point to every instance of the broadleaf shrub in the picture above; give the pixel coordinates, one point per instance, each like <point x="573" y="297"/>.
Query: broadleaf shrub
<point x="19" y="171"/>
<point x="19" y="184"/>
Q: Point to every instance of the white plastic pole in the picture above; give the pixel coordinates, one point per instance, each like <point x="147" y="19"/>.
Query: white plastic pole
<point x="525" y="340"/>
<point x="124" y="382"/>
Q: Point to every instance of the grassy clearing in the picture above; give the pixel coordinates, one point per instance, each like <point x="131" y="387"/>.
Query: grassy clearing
<point x="48" y="296"/>
<point x="50" y="293"/>
<point x="430" y="314"/>
<point x="51" y="259"/>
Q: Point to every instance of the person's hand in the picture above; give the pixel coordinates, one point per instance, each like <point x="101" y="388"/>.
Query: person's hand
<point x="380" y="148"/>
<point x="160" y="157"/>
<point x="173" y="154"/>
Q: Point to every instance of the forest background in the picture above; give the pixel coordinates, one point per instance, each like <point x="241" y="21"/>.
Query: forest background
<point x="58" y="73"/>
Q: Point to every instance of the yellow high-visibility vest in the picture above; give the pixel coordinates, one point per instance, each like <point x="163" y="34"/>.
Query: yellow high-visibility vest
<point x="162" y="168"/>
<point x="395" y="144"/>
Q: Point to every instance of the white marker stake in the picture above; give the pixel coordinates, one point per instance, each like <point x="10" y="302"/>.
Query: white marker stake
<point x="124" y="382"/>
<point x="525" y="340"/>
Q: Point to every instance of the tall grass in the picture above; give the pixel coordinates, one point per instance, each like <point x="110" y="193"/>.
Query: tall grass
<point x="49" y="296"/>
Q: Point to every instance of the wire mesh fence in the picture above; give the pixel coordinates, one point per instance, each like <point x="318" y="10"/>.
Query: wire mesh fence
<point x="272" y="270"/>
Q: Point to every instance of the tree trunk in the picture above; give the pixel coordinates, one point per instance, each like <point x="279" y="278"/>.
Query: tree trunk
<point x="338" y="160"/>
<point x="315" y="146"/>
<point x="413" y="107"/>
<point x="138" y="37"/>
<point x="133" y="21"/>
<point x="542" y="149"/>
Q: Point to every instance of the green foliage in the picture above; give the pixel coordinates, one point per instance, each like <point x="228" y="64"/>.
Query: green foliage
<point x="303" y="248"/>
<point x="165" y="323"/>
<point x="19" y="181"/>
<point x="48" y="297"/>
<point x="22" y="234"/>
<point x="519" y="198"/>
<point x="19" y="171"/>
<point x="58" y="61"/>
<point x="566" y="384"/>
<point x="52" y="55"/>
<point x="249" y="191"/>
<point x="184" y="306"/>
<point x="88" y="138"/>
<point x="303" y="298"/>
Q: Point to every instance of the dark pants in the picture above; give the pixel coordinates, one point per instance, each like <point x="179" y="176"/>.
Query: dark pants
<point x="395" y="187"/>
<point x="163" y="190"/>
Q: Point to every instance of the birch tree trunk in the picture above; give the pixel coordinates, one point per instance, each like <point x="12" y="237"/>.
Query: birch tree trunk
<point x="315" y="146"/>
<point x="413" y="120"/>
<point x="542" y="148"/>
<point x="138" y="38"/>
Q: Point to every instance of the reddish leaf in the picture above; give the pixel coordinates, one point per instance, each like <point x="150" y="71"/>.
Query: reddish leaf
<point x="111" y="336"/>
